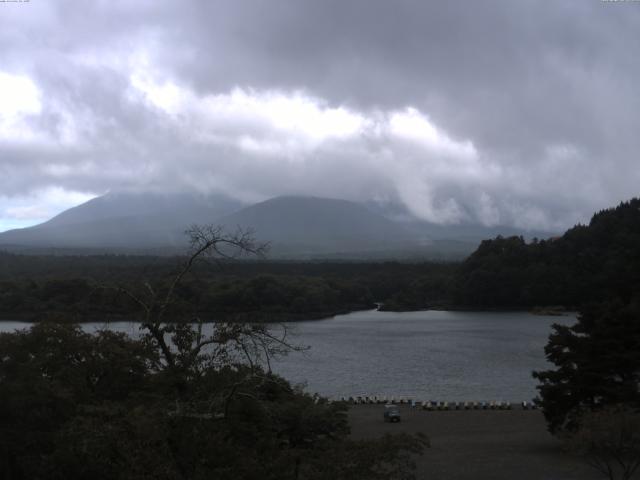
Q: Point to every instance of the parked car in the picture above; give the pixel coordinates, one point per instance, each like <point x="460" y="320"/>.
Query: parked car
<point x="391" y="413"/>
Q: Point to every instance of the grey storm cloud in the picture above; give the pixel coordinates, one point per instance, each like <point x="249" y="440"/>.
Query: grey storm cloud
<point x="500" y="112"/>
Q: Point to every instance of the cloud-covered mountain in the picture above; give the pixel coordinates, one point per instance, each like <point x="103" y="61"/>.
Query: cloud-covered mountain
<point x="499" y="113"/>
<point x="312" y="225"/>
<point x="295" y="226"/>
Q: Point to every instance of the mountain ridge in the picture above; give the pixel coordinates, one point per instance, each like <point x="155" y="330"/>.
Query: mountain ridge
<point x="295" y="226"/>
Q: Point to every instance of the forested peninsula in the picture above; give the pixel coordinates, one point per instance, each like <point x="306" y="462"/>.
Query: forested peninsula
<point x="588" y="263"/>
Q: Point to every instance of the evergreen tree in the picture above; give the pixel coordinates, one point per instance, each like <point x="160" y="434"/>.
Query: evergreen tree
<point x="598" y="364"/>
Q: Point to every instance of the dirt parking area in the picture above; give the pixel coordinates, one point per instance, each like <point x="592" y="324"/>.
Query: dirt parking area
<point x="479" y="444"/>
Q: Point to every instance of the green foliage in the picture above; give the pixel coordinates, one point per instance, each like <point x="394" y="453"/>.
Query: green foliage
<point x="69" y="290"/>
<point x="47" y="373"/>
<point x="423" y="292"/>
<point x="598" y="364"/>
<point x="277" y="294"/>
<point x="587" y="263"/>
<point x="104" y="406"/>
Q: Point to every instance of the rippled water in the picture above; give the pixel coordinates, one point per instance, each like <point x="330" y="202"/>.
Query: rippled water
<point x="430" y="355"/>
<point x="426" y="355"/>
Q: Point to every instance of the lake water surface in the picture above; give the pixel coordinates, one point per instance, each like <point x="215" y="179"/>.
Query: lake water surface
<point x="427" y="355"/>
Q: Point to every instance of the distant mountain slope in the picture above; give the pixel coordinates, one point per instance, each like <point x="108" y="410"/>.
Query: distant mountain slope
<point x="296" y="226"/>
<point x="124" y="220"/>
<point x="311" y="224"/>
<point x="120" y="205"/>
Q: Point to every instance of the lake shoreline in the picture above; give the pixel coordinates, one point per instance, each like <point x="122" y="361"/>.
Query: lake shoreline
<point x="546" y="310"/>
<point x="239" y="317"/>
<point x="281" y="317"/>
<point x="452" y="356"/>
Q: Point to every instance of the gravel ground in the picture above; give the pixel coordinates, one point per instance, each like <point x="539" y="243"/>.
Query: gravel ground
<point x="478" y="445"/>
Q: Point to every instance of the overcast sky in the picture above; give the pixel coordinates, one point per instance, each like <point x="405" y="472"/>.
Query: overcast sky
<point x="522" y="113"/>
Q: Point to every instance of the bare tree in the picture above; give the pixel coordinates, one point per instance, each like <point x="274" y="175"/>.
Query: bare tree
<point x="185" y="345"/>
<point x="609" y="440"/>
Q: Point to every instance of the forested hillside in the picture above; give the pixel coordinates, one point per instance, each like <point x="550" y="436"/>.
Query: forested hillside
<point x="588" y="263"/>
<point x="85" y="288"/>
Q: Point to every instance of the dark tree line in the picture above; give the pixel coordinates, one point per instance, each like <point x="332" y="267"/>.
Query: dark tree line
<point x="588" y="263"/>
<point x="65" y="287"/>
<point x="104" y="406"/>
<point x="263" y="296"/>
<point x="591" y="398"/>
<point x="177" y="403"/>
<point x="597" y="363"/>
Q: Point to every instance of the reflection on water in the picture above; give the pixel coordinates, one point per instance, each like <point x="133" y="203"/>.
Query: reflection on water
<point x="426" y="355"/>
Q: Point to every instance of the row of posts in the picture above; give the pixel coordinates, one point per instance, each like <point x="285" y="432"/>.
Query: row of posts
<point x="433" y="406"/>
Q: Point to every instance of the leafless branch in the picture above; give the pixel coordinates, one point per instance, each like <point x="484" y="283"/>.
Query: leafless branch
<point x="187" y="344"/>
